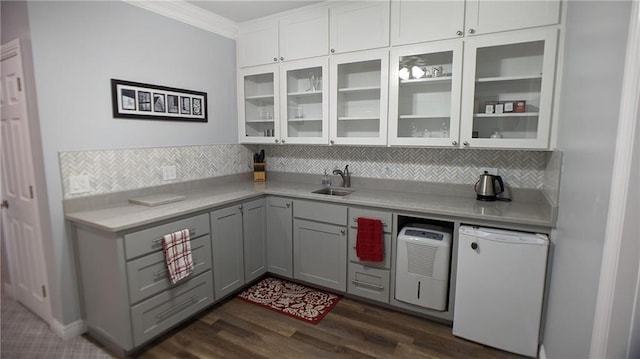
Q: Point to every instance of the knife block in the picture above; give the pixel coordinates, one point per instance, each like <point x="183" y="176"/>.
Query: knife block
<point x="259" y="172"/>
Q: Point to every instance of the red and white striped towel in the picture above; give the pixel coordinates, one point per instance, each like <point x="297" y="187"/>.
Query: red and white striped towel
<point x="177" y="254"/>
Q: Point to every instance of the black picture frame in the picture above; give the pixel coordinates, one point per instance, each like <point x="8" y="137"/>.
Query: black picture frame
<point x="136" y="100"/>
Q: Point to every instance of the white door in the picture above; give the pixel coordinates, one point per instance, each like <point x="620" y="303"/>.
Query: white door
<point x="22" y="225"/>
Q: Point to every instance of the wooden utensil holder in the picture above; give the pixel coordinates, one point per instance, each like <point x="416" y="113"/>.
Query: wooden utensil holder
<point x="259" y="172"/>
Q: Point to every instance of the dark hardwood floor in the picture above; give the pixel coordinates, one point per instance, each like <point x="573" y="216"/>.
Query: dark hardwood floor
<point x="236" y="329"/>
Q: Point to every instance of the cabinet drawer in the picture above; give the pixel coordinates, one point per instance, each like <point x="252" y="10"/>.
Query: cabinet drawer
<point x="386" y="263"/>
<point x="321" y="212"/>
<point x="150" y="240"/>
<point x="367" y="282"/>
<point x="383" y="216"/>
<point x="159" y="313"/>
<point x="149" y="275"/>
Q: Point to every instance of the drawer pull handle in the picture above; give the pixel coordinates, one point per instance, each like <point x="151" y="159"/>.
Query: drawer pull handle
<point x="158" y="241"/>
<point x="374" y="286"/>
<point x="170" y="311"/>
<point x="355" y="220"/>
<point x="160" y="273"/>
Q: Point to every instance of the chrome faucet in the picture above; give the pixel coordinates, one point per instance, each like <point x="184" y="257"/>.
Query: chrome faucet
<point x="346" y="176"/>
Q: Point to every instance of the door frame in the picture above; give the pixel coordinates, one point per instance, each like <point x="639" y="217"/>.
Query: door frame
<point x="613" y="241"/>
<point x="8" y="50"/>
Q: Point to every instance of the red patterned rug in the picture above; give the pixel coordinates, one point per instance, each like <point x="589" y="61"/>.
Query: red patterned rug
<point x="295" y="300"/>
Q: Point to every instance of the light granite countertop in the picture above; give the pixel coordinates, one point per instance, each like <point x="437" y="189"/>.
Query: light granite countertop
<point x="124" y="216"/>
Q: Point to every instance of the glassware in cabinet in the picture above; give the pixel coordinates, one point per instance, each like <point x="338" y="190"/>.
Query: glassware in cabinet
<point x="425" y="94"/>
<point x="508" y="97"/>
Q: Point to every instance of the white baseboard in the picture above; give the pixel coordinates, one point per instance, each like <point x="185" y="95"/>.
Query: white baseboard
<point x="70" y="331"/>
<point x="541" y="353"/>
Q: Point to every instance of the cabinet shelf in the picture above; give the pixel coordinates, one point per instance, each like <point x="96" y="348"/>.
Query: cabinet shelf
<point x="415" y="117"/>
<point x="259" y="121"/>
<point x="358" y="118"/>
<point x="259" y="97"/>
<point x="425" y="80"/>
<point x="508" y="114"/>
<point x="359" y="89"/>
<point x="304" y="93"/>
<point x="510" y="78"/>
<point x="304" y="119"/>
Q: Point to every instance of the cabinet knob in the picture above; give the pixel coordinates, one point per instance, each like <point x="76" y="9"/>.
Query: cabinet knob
<point x="333" y="51"/>
<point x="332" y="142"/>
<point x="342" y="231"/>
<point x="474" y="245"/>
<point x="275" y="59"/>
<point x="472" y="31"/>
<point x="459" y="32"/>
<point x="288" y="204"/>
<point x="277" y="140"/>
<point x="455" y="143"/>
<point x="281" y="58"/>
<point x="465" y="143"/>
<point x="282" y="141"/>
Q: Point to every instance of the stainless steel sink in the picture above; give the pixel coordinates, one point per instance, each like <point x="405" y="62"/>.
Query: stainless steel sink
<point x="329" y="191"/>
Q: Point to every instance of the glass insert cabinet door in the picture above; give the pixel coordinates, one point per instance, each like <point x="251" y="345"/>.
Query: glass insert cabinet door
<point x="425" y="88"/>
<point x="507" y="94"/>
<point x="304" y="107"/>
<point x="259" y="105"/>
<point x="358" y="98"/>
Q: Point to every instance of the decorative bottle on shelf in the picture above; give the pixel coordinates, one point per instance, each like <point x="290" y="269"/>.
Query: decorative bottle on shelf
<point x="445" y="129"/>
<point x="313" y="82"/>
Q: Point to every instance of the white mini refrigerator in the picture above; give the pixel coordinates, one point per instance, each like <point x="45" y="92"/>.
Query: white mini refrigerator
<point x="500" y="287"/>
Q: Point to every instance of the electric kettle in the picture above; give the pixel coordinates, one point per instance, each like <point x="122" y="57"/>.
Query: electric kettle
<point x="489" y="187"/>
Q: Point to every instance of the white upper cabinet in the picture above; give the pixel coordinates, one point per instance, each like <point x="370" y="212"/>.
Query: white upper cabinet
<point x="284" y="103"/>
<point x="303" y="34"/>
<point x="483" y="17"/>
<point x="358" y="25"/>
<point x="304" y="105"/>
<point x="418" y="21"/>
<point x="258" y="43"/>
<point x="415" y="21"/>
<point x="358" y="97"/>
<point x="258" y="104"/>
<point x="424" y="94"/>
<point x="508" y="88"/>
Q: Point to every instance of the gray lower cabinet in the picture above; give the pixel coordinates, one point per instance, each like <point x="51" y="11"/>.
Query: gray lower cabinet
<point x="369" y="279"/>
<point x="280" y="236"/>
<point x="227" y="249"/>
<point x="126" y="293"/>
<point x="320" y="244"/>
<point x="254" y="239"/>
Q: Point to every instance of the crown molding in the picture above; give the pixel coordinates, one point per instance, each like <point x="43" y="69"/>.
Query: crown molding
<point x="190" y="14"/>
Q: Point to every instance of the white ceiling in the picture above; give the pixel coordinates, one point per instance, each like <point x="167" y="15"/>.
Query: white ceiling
<point x="244" y="10"/>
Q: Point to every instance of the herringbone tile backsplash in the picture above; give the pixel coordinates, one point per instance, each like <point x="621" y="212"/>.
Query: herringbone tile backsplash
<point x="120" y="170"/>
<point x="520" y="169"/>
<point x="127" y="169"/>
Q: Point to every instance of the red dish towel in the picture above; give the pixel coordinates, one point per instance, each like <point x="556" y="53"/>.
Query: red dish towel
<point x="177" y="254"/>
<point x="369" y="245"/>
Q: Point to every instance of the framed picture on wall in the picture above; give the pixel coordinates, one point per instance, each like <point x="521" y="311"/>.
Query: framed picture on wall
<point x="135" y="100"/>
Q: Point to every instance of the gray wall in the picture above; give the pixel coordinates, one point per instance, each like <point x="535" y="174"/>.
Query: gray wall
<point x="77" y="48"/>
<point x="589" y="106"/>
